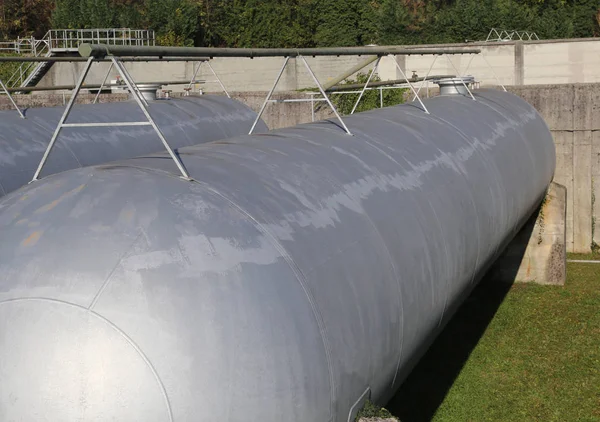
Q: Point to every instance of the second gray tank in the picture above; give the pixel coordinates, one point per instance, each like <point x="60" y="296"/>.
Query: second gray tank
<point x="184" y="121"/>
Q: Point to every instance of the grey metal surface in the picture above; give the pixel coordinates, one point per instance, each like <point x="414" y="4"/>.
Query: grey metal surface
<point x="455" y="86"/>
<point x="184" y="121"/>
<point x="301" y="272"/>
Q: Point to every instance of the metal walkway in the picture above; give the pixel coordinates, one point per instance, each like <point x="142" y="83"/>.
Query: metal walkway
<point x="65" y="42"/>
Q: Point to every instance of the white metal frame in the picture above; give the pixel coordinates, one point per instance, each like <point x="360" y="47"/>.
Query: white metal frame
<point x="361" y="92"/>
<point x="461" y="79"/>
<point x="141" y="102"/>
<point x="491" y="68"/>
<point x="103" y="83"/>
<point x="69" y="40"/>
<point x="498" y="35"/>
<point x="425" y="80"/>
<point x="375" y="68"/>
<point x="410" y="85"/>
<point x="193" y="80"/>
<point x="314" y="77"/>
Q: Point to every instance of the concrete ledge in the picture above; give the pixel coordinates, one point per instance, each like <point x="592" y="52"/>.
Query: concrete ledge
<point x="53" y="100"/>
<point x="538" y="253"/>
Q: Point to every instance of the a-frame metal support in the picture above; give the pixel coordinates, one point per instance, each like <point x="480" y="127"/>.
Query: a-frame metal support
<point x="375" y="68"/>
<point x="197" y="69"/>
<point x="117" y="64"/>
<point x="314" y="77"/>
<point x="461" y="79"/>
<point x="412" y="88"/>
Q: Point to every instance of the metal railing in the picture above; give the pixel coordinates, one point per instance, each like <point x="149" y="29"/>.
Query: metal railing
<point x="70" y="39"/>
<point x="20" y="76"/>
<point x="498" y="35"/>
<point x="19" y="46"/>
<point x="67" y="40"/>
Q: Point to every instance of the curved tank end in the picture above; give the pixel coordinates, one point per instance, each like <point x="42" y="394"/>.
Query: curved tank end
<point x="152" y="308"/>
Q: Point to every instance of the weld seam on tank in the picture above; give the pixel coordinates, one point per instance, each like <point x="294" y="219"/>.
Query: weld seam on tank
<point x="300" y="278"/>
<point x="478" y="225"/>
<point x="482" y="157"/>
<point x="113" y="326"/>
<point x="124" y="255"/>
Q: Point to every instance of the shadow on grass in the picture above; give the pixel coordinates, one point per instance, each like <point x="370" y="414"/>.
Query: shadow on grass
<point x="425" y="388"/>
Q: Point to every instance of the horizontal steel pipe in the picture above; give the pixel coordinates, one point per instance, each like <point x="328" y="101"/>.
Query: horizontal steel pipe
<point x="93" y="86"/>
<point x="84" y="59"/>
<point x="387" y="83"/>
<point x="102" y="50"/>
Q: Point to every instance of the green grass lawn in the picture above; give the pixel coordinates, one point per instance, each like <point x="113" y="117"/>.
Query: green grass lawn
<point x="520" y="353"/>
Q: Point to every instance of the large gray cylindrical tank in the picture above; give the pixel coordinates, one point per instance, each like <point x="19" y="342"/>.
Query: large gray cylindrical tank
<point x="303" y="270"/>
<point x="184" y="121"/>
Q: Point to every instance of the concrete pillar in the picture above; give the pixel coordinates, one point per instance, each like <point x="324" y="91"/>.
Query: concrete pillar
<point x="596" y="190"/>
<point x="538" y="253"/>
<point x="401" y="60"/>
<point x="582" y="194"/>
<point x="564" y="175"/>
<point x="519" y="63"/>
<point x="584" y="120"/>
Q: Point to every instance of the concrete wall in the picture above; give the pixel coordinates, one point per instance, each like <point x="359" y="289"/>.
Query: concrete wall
<point x="572" y="113"/>
<point x="52" y="100"/>
<point x="514" y="63"/>
<point x="522" y="63"/>
<point x="538" y="252"/>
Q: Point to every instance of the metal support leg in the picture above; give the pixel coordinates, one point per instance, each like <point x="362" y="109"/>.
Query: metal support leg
<point x="469" y="64"/>
<point x="366" y="85"/>
<point x="380" y="97"/>
<point x="138" y="98"/>
<point x="64" y="116"/>
<point x="494" y="72"/>
<point x="11" y="100"/>
<point x="426" y="76"/>
<point x="218" y="80"/>
<point x="458" y="75"/>
<point x="102" y="85"/>
<point x="412" y="88"/>
<point x="262" y="109"/>
<point x="126" y="75"/>
<point x="196" y="70"/>
<point x="325" y="95"/>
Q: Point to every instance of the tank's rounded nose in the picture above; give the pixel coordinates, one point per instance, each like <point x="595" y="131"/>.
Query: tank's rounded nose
<point x="62" y="362"/>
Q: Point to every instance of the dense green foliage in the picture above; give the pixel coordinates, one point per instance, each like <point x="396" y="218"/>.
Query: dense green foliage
<point x="306" y="23"/>
<point x="7" y="69"/>
<point x="177" y="22"/>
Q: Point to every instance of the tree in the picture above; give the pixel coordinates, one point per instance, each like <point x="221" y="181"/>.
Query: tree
<point x="24" y="18"/>
<point x="345" y="23"/>
<point x="176" y="22"/>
